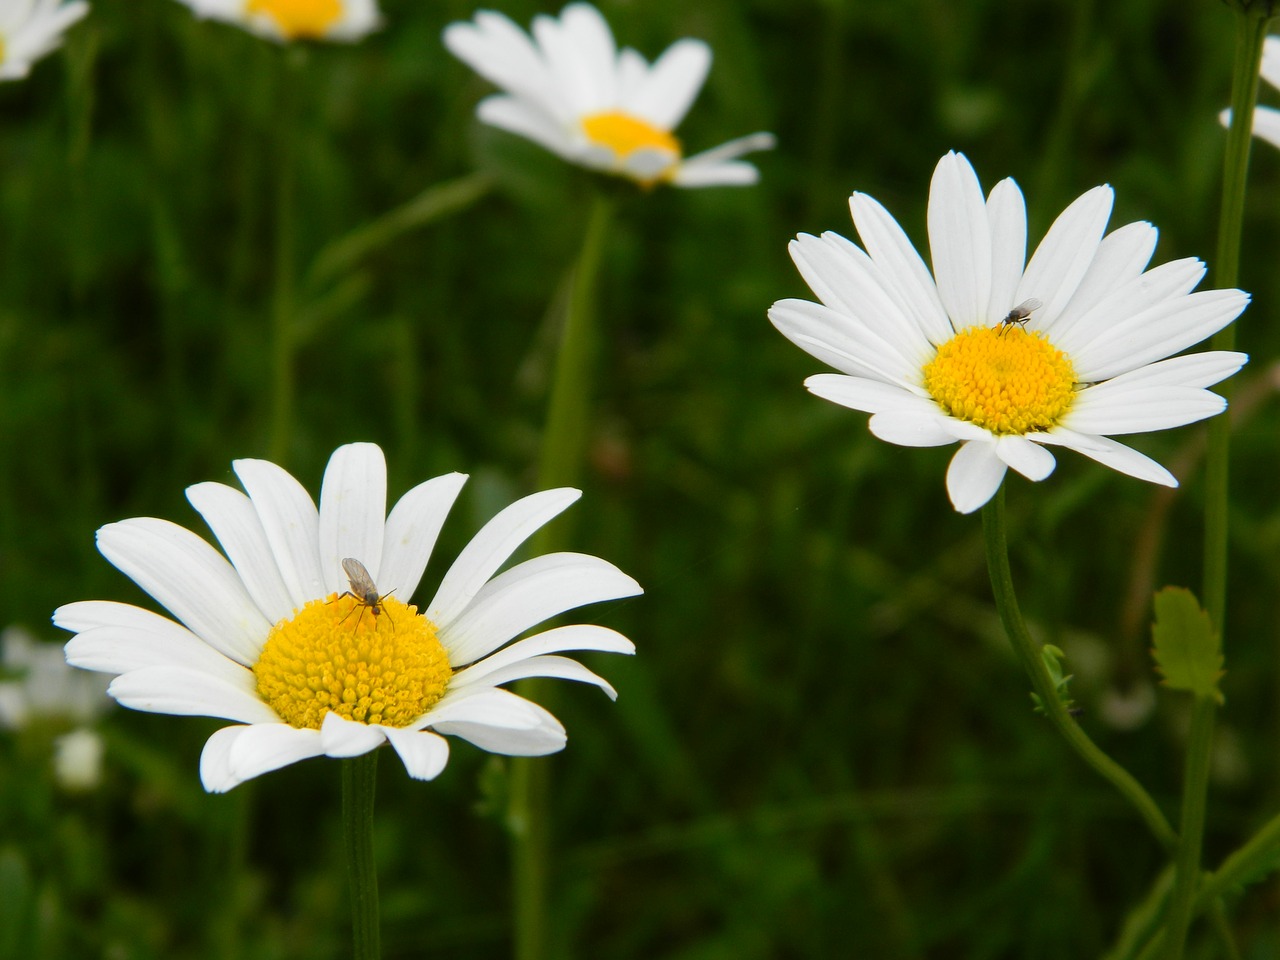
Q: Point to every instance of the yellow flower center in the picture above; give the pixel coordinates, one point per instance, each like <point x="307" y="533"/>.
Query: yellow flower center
<point x="337" y="654"/>
<point x="625" y="134"/>
<point x="298" y="18"/>
<point x="1002" y="378"/>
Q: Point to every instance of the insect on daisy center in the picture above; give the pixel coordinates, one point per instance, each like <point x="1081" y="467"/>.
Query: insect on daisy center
<point x="337" y="655"/>
<point x="298" y="18"/>
<point x="625" y="134"/>
<point x="1004" y="378"/>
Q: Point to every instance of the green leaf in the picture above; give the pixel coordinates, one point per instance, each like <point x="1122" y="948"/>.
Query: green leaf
<point x="1187" y="651"/>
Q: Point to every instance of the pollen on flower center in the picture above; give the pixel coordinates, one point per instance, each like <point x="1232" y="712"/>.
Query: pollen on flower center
<point x="338" y="655"/>
<point x="298" y="18"/>
<point x="625" y="134"/>
<point x="1005" y="379"/>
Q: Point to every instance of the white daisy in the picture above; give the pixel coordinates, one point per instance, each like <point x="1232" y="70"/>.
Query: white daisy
<point x="1266" y="120"/>
<point x="270" y="635"/>
<point x="569" y="89"/>
<point x="1002" y="356"/>
<point x="31" y="28"/>
<point x="287" y="20"/>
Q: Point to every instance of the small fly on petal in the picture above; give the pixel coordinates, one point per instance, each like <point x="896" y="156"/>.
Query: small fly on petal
<point x="1019" y="315"/>
<point x="363" y="588"/>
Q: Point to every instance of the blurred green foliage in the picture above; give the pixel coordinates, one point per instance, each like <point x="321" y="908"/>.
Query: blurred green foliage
<point x="823" y="748"/>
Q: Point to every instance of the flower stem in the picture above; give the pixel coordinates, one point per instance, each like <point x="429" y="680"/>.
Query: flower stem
<point x="563" y="453"/>
<point x="1251" y="31"/>
<point x="1028" y="653"/>
<point x="359" y="778"/>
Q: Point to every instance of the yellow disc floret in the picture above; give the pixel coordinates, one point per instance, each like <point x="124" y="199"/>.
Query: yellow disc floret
<point x="625" y="134"/>
<point x="1005" y="379"/>
<point x="298" y="18"/>
<point x="340" y="655"/>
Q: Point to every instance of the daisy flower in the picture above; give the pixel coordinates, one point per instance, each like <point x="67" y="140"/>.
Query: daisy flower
<point x="1005" y="357"/>
<point x="288" y="636"/>
<point x="1266" y="120"/>
<point x="287" y="20"/>
<point x="31" y="28"/>
<point x="569" y="89"/>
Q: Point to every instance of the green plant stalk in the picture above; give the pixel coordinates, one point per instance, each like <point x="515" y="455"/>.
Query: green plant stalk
<point x="1251" y="31"/>
<point x="1028" y="654"/>
<point x="359" y="778"/>
<point x="563" y="453"/>
<point x="283" y="295"/>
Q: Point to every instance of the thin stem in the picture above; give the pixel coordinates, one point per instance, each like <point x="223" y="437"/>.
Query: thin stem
<point x="563" y="452"/>
<point x="1195" y="789"/>
<point x="1028" y="653"/>
<point x="359" y="778"/>
<point x="283" y="296"/>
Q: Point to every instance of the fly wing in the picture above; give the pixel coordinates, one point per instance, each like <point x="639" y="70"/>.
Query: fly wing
<point x="361" y="583"/>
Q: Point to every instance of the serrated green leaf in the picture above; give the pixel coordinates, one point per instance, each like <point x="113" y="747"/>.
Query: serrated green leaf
<point x="1187" y="652"/>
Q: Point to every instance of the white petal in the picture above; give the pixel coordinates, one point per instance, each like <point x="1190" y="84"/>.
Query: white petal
<point x="353" y="509"/>
<point x="1266" y="125"/>
<point x="672" y="84"/>
<point x="733" y="173"/>
<point x="424" y="753"/>
<point x="560" y="668"/>
<point x="575" y="59"/>
<point x="974" y="475"/>
<point x="504" y="55"/>
<point x="528" y="594"/>
<point x="842" y="341"/>
<point x="1140" y="409"/>
<point x="578" y="636"/>
<point x="1030" y="459"/>
<point x="911" y="429"/>
<point x="501" y="722"/>
<point x="191" y="579"/>
<point x="185" y="692"/>
<point x="1064" y="255"/>
<point x="340" y="737"/>
<point x="411" y="532"/>
<point x="902" y="271"/>
<point x="1122" y="256"/>
<point x="119" y="650"/>
<point x="1190" y="370"/>
<point x="1111" y="453"/>
<point x="231" y="517"/>
<point x="292" y="524"/>
<point x="960" y="241"/>
<point x="490" y="548"/>
<point x="1159" y="332"/>
<point x="858" y="393"/>
<point x="525" y="119"/>
<point x="1007" y="215"/>
<point x="730" y="150"/>
<point x="236" y="754"/>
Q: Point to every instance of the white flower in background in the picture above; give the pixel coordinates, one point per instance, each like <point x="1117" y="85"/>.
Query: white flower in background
<point x="31" y="28"/>
<point x="271" y="636"/>
<point x="1266" y="120"/>
<point x="288" y="20"/>
<point x="1003" y="356"/>
<point x="569" y="89"/>
<point x="42" y="690"/>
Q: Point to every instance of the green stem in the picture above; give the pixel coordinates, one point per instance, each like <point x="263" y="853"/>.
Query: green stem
<point x="1028" y="653"/>
<point x="359" y="778"/>
<point x="1195" y="789"/>
<point x="283" y="296"/>
<point x="563" y="453"/>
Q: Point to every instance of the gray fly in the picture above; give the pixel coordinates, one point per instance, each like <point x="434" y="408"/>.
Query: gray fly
<point x="1020" y="314"/>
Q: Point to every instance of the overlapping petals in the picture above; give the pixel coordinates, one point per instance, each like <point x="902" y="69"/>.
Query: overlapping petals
<point x="280" y="551"/>
<point x="883" y="315"/>
<point x="570" y="70"/>
<point x="29" y="29"/>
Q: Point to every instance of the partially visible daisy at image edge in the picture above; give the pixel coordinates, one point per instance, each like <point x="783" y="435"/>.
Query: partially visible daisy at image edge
<point x="29" y="29"/>
<point x="570" y="89"/>
<point x="1266" y="120"/>
<point x="289" y="20"/>
<point x="1003" y="356"/>
<point x="272" y="636"/>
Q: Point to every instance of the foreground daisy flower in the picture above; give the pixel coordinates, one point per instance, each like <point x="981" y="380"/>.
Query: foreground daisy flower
<point x="288" y="20"/>
<point x="288" y="636"/>
<point x="1266" y="120"/>
<point x="1002" y="356"/>
<point x="569" y="89"/>
<point x="31" y="28"/>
